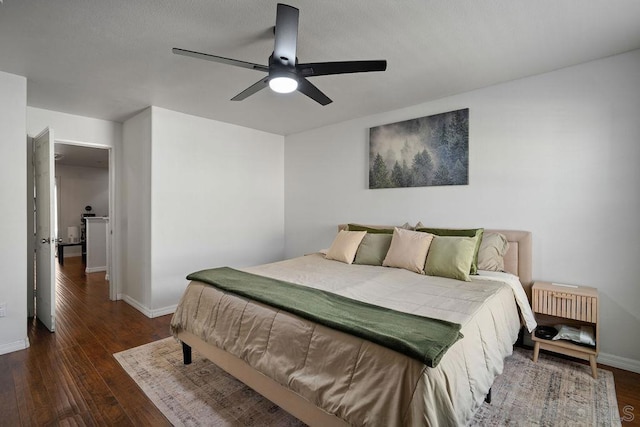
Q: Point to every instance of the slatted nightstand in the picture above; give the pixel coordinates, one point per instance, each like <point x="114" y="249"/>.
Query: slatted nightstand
<point x="574" y="306"/>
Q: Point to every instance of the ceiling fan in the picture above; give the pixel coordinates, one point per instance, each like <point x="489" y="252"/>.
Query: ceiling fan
<point x="285" y="74"/>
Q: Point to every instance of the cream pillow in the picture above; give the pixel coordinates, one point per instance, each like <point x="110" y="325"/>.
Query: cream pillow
<point x="493" y="248"/>
<point x="408" y="250"/>
<point x="345" y="246"/>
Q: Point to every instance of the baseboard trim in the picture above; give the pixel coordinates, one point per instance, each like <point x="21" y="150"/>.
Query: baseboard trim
<point x="95" y="269"/>
<point x="151" y="313"/>
<point x="165" y="310"/>
<point x="14" y="346"/>
<point x="135" y="304"/>
<point x="619" y="362"/>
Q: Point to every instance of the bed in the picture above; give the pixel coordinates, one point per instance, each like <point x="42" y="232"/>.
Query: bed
<point x="326" y="377"/>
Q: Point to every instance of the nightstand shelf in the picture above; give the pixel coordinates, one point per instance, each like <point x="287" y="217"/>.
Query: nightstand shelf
<point x="574" y="306"/>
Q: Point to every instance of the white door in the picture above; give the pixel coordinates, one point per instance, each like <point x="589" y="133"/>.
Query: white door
<point x="45" y="241"/>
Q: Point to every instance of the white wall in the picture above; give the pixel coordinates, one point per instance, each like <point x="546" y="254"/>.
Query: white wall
<point x="198" y="194"/>
<point x="13" y="227"/>
<point x="97" y="244"/>
<point x="78" y="187"/>
<point x="556" y="154"/>
<point x="217" y="199"/>
<point x="135" y="253"/>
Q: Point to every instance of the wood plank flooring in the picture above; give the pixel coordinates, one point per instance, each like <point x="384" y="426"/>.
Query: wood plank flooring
<point x="71" y="378"/>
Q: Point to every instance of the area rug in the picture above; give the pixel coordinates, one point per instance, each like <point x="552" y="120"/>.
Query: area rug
<point x="551" y="392"/>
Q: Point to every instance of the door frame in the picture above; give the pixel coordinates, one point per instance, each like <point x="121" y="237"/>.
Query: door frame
<point x="31" y="232"/>
<point x="113" y="268"/>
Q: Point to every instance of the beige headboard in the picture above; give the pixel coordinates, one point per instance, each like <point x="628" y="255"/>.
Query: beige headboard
<point x="518" y="259"/>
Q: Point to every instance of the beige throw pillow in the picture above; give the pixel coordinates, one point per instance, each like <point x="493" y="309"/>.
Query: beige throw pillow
<point x="493" y="248"/>
<point x="408" y="250"/>
<point x="345" y="246"/>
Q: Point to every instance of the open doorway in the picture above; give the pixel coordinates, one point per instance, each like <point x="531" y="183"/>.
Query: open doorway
<point x="82" y="205"/>
<point x="83" y="200"/>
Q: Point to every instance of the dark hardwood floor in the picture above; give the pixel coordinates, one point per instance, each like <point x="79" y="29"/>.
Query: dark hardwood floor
<point x="71" y="378"/>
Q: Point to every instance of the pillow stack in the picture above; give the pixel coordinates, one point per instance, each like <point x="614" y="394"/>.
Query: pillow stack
<point x="451" y="253"/>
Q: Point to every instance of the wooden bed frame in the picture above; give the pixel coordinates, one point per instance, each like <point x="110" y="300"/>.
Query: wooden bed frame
<point x="517" y="261"/>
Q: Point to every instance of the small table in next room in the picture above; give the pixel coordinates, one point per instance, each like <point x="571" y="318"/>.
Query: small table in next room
<point x="61" y="247"/>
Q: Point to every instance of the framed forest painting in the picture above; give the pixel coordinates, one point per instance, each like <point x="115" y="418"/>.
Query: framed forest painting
<point x="428" y="151"/>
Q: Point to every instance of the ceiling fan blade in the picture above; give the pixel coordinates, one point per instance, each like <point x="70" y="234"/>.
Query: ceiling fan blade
<point x="220" y="59"/>
<point x="342" y="67"/>
<point x="286" y="35"/>
<point x="256" y="87"/>
<point x="306" y="87"/>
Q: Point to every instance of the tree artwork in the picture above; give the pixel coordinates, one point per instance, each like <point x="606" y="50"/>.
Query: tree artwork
<point x="379" y="173"/>
<point x="427" y="151"/>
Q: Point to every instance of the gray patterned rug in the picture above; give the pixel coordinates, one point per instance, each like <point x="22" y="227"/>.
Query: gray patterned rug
<point x="548" y="393"/>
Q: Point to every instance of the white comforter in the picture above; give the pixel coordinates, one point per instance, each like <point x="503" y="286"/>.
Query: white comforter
<point x="397" y="289"/>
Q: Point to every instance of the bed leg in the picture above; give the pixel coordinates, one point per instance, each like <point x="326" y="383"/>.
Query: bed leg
<point x="520" y="341"/>
<point x="186" y="354"/>
<point x="487" y="398"/>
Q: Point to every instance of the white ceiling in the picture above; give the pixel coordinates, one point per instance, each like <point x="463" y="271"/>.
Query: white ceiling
<point x="109" y="59"/>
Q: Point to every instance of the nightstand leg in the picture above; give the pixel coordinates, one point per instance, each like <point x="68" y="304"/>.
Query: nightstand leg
<point x="536" y="350"/>
<point x="594" y="366"/>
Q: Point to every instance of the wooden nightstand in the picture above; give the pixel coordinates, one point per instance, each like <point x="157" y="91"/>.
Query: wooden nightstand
<point x="573" y="306"/>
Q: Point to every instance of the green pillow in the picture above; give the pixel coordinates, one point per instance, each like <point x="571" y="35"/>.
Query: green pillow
<point x="356" y="227"/>
<point x="469" y="232"/>
<point x="373" y="249"/>
<point x="451" y="256"/>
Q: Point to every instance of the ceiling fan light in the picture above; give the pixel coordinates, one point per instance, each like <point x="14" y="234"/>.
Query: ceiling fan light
<point x="283" y="84"/>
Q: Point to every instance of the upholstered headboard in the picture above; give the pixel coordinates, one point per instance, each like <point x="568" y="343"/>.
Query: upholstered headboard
<point x="518" y="259"/>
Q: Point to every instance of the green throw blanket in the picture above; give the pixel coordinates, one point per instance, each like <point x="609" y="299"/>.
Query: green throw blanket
<point x="421" y="338"/>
